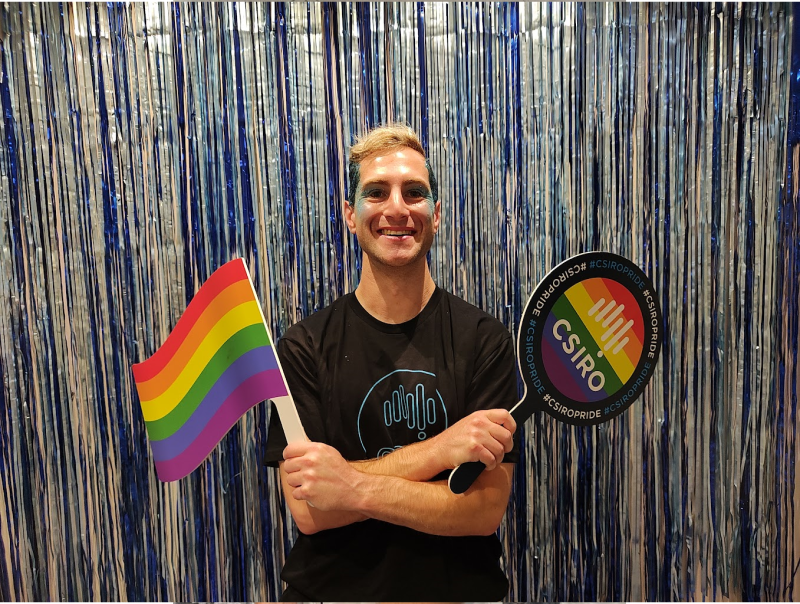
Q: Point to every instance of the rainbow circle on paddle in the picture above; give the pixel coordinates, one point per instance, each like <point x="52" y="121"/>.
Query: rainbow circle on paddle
<point x="590" y="338"/>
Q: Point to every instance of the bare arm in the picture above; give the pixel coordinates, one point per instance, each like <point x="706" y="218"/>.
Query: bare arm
<point x="433" y="508"/>
<point x="392" y="488"/>
<point x="427" y="507"/>
<point x="481" y="436"/>
<point x="341" y="495"/>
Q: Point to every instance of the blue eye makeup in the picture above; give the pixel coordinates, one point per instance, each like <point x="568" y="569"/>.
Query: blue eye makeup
<point x="368" y="196"/>
<point x="423" y="194"/>
<point x="415" y="194"/>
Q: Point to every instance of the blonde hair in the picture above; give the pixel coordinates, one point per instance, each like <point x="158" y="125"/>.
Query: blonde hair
<point x="384" y="138"/>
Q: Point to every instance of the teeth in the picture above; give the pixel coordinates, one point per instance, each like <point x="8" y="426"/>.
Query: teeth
<point x="388" y="232"/>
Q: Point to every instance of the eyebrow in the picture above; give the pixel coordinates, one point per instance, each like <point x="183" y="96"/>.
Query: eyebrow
<point x="380" y="181"/>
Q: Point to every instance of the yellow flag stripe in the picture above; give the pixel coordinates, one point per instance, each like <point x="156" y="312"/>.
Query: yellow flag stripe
<point x="234" y="320"/>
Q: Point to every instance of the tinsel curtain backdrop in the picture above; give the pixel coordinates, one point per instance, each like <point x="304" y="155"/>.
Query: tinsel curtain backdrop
<point x="145" y="145"/>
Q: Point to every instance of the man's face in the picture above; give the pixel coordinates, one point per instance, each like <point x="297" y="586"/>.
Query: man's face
<point x="394" y="215"/>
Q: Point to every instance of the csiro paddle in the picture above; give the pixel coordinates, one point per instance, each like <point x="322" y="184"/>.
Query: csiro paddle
<point x="587" y="345"/>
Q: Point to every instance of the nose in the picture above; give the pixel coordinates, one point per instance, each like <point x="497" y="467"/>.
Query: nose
<point x="396" y="205"/>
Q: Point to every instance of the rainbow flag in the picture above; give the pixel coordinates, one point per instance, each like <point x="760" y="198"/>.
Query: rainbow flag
<point x="217" y="364"/>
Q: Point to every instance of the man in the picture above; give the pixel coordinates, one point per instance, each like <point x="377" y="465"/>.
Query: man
<point x="396" y="384"/>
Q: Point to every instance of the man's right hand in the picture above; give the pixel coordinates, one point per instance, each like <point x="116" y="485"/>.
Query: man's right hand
<point x="484" y="436"/>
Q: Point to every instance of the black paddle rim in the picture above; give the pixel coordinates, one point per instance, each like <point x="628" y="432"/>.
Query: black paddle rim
<point x="561" y="370"/>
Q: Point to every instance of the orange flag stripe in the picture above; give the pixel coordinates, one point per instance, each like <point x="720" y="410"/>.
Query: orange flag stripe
<point x="231" y="297"/>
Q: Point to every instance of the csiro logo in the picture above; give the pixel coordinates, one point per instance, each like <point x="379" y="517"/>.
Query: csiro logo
<point x="594" y="336"/>
<point x="407" y="403"/>
<point x="611" y="337"/>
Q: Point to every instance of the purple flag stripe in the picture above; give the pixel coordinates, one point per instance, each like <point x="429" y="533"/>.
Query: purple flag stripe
<point x="250" y="363"/>
<point x="264" y="385"/>
<point x="564" y="376"/>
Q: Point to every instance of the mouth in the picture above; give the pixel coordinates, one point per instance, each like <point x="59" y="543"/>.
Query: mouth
<point x="399" y="233"/>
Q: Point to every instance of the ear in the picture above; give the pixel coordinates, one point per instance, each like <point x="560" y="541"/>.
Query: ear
<point x="349" y="216"/>
<point x="437" y="214"/>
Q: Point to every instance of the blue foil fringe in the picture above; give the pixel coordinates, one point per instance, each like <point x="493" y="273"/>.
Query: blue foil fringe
<point x="144" y="145"/>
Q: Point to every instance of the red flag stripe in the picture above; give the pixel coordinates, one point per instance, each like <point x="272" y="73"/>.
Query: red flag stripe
<point x="227" y="274"/>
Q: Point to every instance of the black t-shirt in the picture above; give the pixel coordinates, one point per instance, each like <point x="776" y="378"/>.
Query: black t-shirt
<point x="367" y="388"/>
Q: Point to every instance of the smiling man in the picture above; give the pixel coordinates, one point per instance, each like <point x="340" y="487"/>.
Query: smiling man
<point x="396" y="384"/>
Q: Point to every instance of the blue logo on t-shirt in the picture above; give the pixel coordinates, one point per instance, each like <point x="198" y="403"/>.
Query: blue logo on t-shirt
<point x="405" y="399"/>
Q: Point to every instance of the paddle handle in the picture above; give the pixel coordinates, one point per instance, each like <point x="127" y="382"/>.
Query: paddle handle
<point x="462" y="477"/>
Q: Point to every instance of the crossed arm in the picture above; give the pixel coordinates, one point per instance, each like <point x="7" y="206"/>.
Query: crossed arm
<point x="325" y="491"/>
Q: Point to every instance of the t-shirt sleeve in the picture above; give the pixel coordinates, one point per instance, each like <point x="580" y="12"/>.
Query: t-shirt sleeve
<point x="494" y="381"/>
<point x="295" y="351"/>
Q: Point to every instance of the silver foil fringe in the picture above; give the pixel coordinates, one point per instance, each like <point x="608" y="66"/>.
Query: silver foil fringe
<point x="146" y="144"/>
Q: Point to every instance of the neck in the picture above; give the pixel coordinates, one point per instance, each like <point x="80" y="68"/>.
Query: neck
<point x="394" y="294"/>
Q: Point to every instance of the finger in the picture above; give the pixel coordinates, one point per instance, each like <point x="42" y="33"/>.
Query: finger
<point x="500" y="416"/>
<point x="294" y="480"/>
<point x="296" y="464"/>
<point x="489" y="451"/>
<point x="291" y="465"/>
<point x="497" y="450"/>
<point x="510" y="423"/>
<point x="508" y="441"/>
<point x="502" y="435"/>
<point x="488" y="459"/>
<point x="302" y="495"/>
<point x="296" y="449"/>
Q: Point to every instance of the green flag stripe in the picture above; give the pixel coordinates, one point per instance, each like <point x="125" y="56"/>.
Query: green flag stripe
<point x="244" y="340"/>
